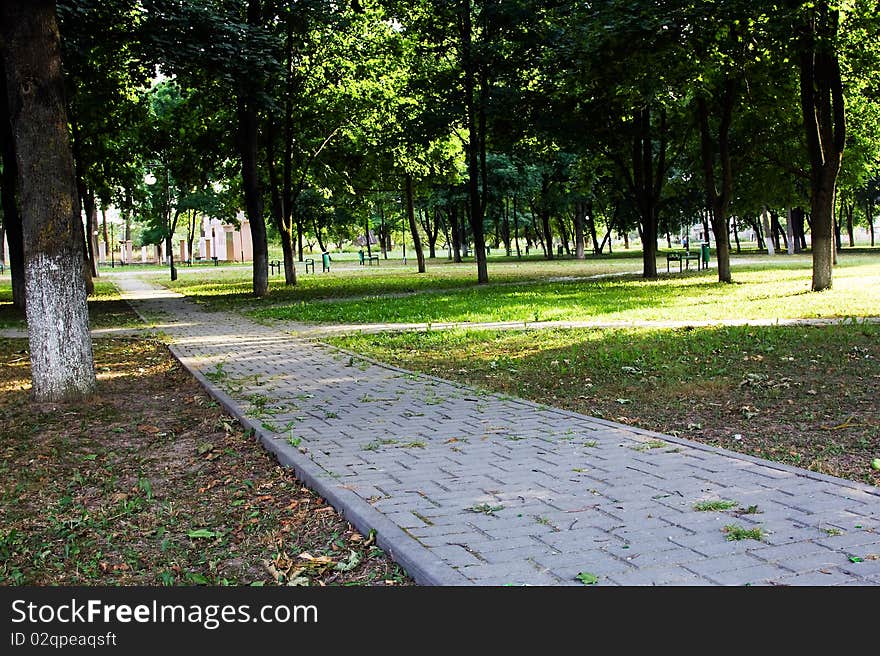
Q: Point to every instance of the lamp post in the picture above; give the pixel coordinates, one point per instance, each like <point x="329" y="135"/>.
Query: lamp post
<point x="112" y="245"/>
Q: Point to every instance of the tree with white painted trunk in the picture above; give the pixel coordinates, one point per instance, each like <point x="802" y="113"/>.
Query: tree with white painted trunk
<point x="62" y="365"/>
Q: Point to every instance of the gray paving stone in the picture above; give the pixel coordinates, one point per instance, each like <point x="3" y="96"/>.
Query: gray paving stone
<point x="468" y="447"/>
<point x="660" y="576"/>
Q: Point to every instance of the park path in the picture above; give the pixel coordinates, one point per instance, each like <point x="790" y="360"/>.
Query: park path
<point x="467" y="487"/>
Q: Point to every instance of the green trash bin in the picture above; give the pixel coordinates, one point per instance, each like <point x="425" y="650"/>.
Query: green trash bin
<point x="325" y="261"/>
<point x="704" y="255"/>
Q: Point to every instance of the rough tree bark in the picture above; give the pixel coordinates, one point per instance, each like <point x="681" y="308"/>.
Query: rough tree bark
<point x="62" y="364"/>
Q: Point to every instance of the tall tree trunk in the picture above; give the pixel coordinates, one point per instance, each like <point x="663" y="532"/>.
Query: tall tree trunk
<point x="869" y="213"/>
<point x="91" y="225"/>
<point x="317" y="227"/>
<point x="367" y="237"/>
<point x="247" y="143"/>
<point x="822" y="109"/>
<point x="191" y="235"/>
<point x="413" y="228"/>
<point x="645" y="179"/>
<point x="765" y="218"/>
<point x="456" y="234"/>
<point x="475" y="110"/>
<point x="849" y="224"/>
<point x="547" y="233"/>
<point x="591" y="227"/>
<point x="516" y="228"/>
<point x="505" y="225"/>
<point x="104" y="230"/>
<point x="9" y="199"/>
<point x="580" y="212"/>
<point x="606" y="238"/>
<point x="789" y="229"/>
<point x="169" y="248"/>
<point x="62" y="364"/>
<point x="288" y="255"/>
<point x="383" y="231"/>
<point x="433" y="231"/>
<point x="718" y="196"/>
<point x="755" y="225"/>
<point x="563" y="233"/>
<point x="735" y="235"/>
<point x="800" y="236"/>
<point x="778" y="232"/>
<point x="278" y="191"/>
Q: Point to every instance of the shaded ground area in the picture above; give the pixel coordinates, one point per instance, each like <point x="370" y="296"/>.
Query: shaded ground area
<point x="149" y="483"/>
<point x="806" y="396"/>
<point x="106" y="309"/>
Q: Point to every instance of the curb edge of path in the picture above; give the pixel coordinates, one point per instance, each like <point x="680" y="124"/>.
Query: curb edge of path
<point x="416" y="560"/>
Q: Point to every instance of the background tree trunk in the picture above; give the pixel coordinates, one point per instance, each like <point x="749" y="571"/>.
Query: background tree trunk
<point x="475" y="120"/>
<point x="62" y="365"/>
<point x="9" y="198"/>
<point x="413" y="228"/>
<point x="768" y="232"/>
<point x="825" y="126"/>
<point x="247" y="143"/>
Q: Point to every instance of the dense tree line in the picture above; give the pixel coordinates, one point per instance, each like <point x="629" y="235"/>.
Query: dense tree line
<point x="505" y="124"/>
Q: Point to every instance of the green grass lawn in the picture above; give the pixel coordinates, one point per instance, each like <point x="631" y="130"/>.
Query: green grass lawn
<point x="797" y="394"/>
<point x="764" y="288"/>
<point x="231" y="289"/>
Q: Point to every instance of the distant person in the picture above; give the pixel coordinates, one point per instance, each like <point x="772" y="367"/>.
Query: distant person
<point x="685" y="242"/>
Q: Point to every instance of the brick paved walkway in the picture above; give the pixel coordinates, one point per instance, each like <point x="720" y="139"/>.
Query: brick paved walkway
<point x="466" y="487"/>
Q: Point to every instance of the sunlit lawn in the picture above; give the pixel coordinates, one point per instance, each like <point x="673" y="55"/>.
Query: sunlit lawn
<point x="764" y="289"/>
<point x="222" y="289"/>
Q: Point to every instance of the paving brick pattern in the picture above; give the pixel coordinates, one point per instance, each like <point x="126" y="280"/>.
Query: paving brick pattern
<point x="494" y="490"/>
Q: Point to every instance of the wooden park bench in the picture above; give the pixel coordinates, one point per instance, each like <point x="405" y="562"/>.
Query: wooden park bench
<point x="683" y="256"/>
<point x="364" y="258"/>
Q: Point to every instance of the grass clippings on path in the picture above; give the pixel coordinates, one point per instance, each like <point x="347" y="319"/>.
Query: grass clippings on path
<point x="149" y="483"/>
<point x="806" y="396"/>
